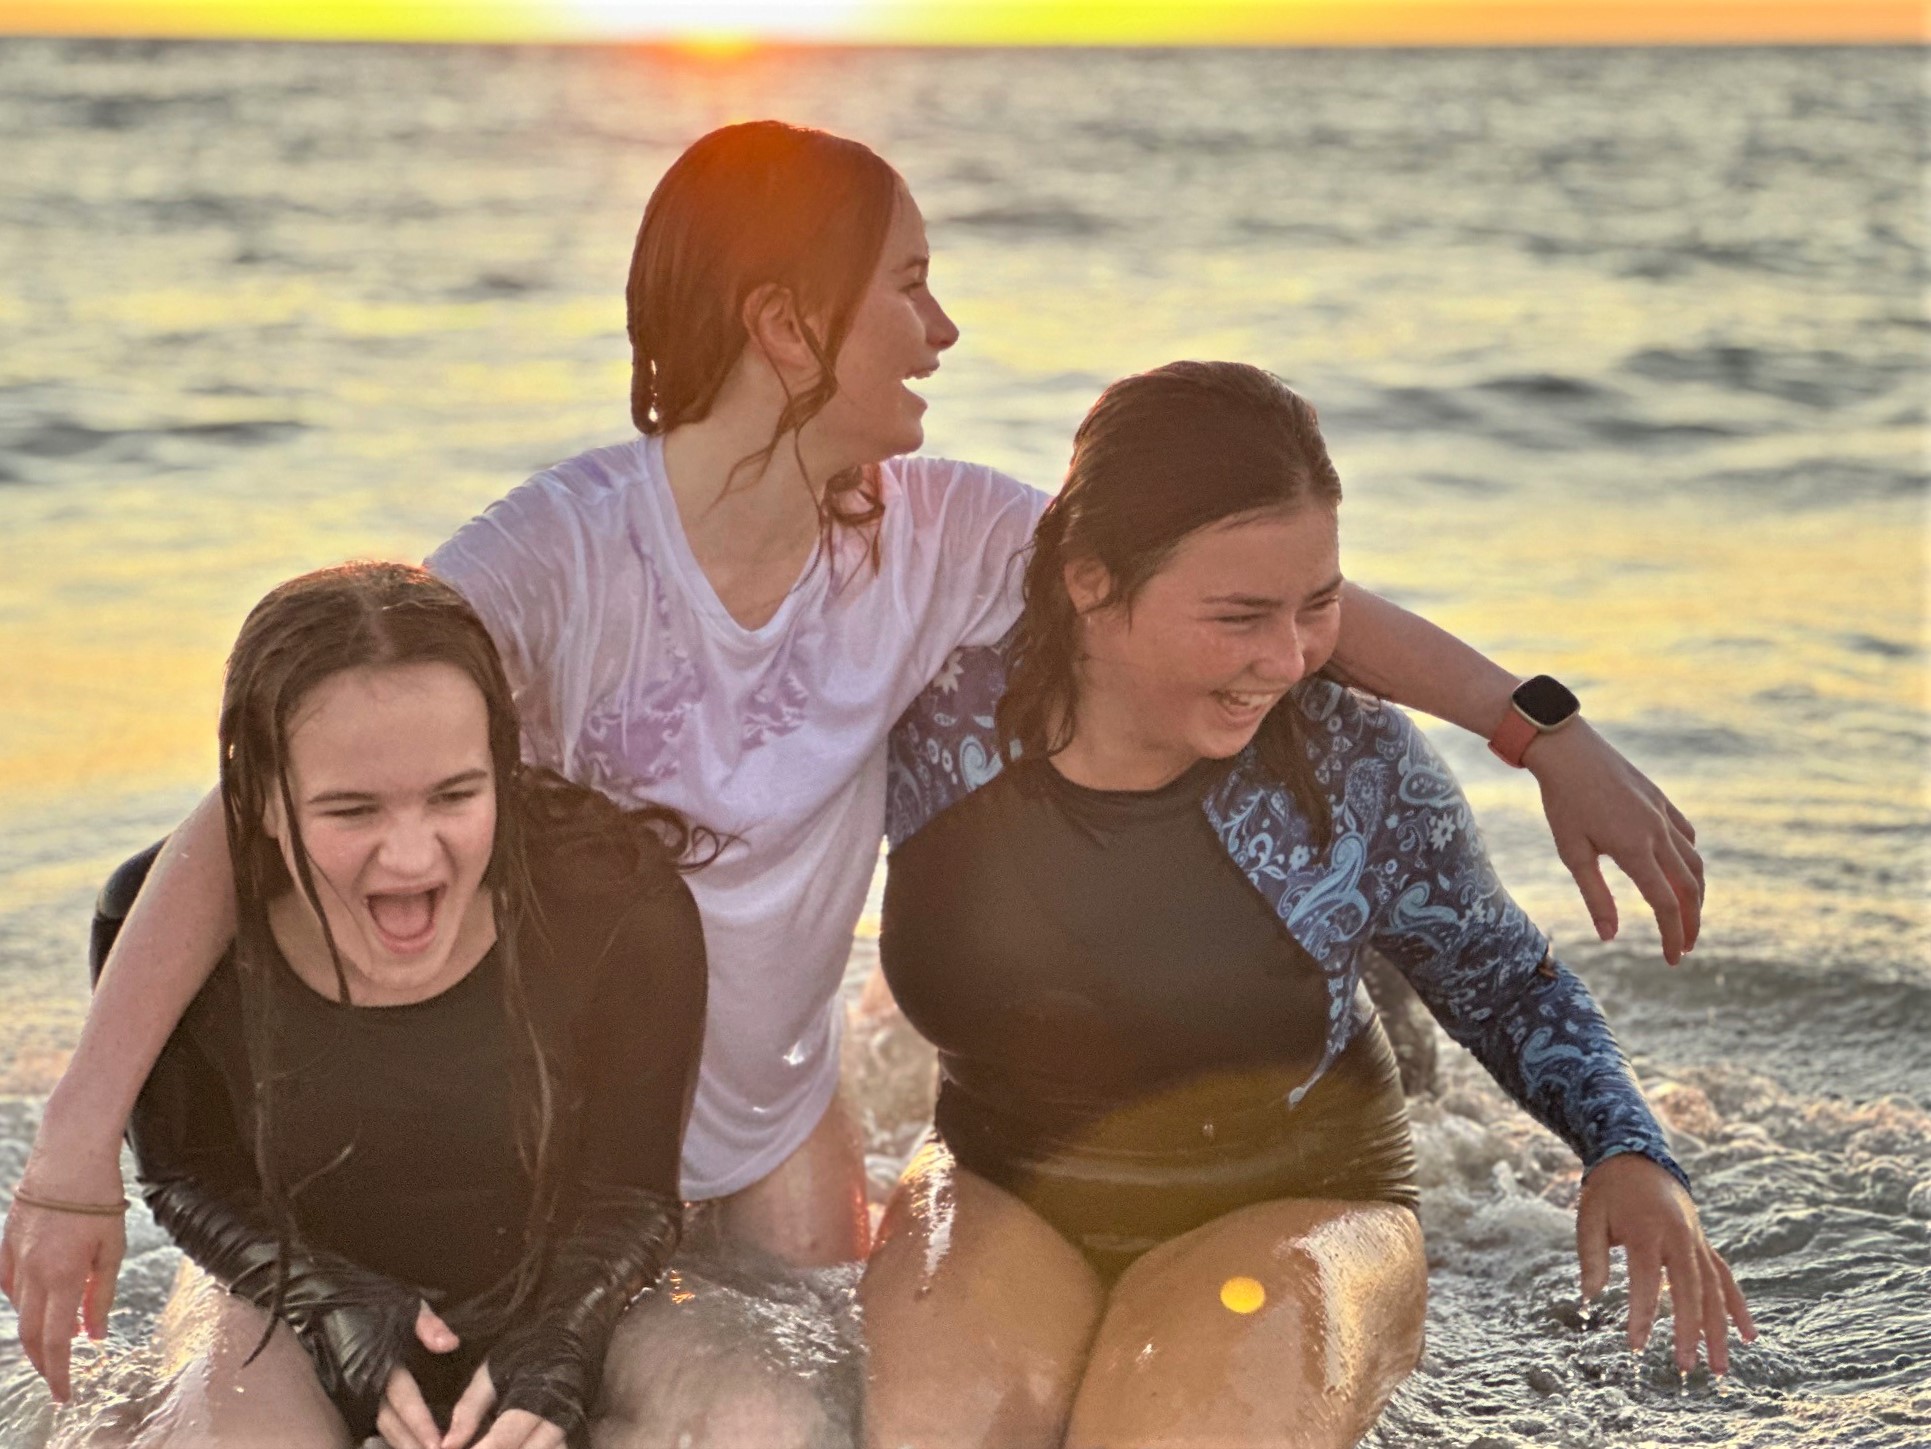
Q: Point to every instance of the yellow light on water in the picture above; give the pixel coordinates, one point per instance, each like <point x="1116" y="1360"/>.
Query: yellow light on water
<point x="1242" y="1295"/>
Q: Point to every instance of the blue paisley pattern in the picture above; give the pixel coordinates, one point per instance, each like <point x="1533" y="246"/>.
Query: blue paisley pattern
<point x="1406" y="873"/>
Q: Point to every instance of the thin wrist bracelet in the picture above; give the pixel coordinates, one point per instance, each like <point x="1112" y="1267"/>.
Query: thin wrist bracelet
<point x="61" y="1205"/>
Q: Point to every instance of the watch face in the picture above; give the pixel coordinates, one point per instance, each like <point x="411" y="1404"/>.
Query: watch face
<point x="1545" y="701"/>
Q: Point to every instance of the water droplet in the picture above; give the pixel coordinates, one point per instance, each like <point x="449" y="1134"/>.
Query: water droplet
<point x="796" y="1056"/>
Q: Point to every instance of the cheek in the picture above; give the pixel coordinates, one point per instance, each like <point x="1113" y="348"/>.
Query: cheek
<point x="478" y="840"/>
<point x="1192" y="662"/>
<point x="1320" y="641"/>
<point x="335" y="855"/>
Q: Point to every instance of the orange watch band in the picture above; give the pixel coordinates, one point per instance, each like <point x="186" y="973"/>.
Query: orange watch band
<point x="1513" y="736"/>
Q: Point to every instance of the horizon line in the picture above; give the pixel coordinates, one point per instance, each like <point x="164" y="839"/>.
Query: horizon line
<point x="726" y="26"/>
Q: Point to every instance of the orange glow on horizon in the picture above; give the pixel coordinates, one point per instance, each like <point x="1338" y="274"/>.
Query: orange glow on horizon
<point x="722" y="48"/>
<point x="716" y="29"/>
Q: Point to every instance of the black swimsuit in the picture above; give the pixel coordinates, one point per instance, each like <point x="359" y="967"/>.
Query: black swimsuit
<point x="1120" y="1017"/>
<point x="395" y="1128"/>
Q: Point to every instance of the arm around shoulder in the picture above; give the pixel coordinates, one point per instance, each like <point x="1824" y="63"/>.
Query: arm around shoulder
<point x="176" y="930"/>
<point x="1597" y="802"/>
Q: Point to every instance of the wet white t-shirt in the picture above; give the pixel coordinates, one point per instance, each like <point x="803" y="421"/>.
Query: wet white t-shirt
<point x="630" y="676"/>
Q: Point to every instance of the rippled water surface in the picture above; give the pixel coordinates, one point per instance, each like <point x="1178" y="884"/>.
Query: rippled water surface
<point x="1621" y="354"/>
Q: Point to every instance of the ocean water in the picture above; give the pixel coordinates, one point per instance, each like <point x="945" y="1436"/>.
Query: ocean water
<point x="1622" y="357"/>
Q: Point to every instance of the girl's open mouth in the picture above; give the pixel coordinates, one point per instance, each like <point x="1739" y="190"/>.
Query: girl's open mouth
<point x="405" y="922"/>
<point x="1244" y="709"/>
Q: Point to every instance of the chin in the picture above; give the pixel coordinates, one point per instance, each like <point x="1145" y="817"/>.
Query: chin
<point x="1222" y="744"/>
<point x="908" y="440"/>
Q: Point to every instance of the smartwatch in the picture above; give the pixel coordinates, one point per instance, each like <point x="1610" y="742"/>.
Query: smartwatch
<point x="1538" y="707"/>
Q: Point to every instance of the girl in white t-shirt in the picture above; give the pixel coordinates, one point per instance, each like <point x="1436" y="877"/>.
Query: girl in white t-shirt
<point x="725" y="615"/>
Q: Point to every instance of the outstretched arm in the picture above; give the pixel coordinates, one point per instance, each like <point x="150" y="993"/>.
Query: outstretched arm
<point x="1597" y="802"/>
<point x="179" y="926"/>
<point x="177" y="929"/>
<point x="1494" y="983"/>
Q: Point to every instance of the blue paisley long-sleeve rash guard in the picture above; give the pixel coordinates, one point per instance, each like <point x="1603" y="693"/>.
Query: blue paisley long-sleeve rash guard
<point x="1406" y="873"/>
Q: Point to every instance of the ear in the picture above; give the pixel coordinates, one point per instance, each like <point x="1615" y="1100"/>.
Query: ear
<point x="1088" y="584"/>
<point x="272" y="817"/>
<point x="776" y="330"/>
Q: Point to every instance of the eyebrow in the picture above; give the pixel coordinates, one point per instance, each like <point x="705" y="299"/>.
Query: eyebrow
<point x="337" y="797"/>
<point x="1269" y="601"/>
<point x="918" y="262"/>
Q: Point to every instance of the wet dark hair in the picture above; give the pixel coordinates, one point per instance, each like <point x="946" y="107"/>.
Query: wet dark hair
<point x="1160" y="456"/>
<point x="362" y="615"/>
<point x="755" y="204"/>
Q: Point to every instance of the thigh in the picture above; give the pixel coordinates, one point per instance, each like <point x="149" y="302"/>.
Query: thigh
<point x="810" y="1210"/>
<point x="1288" y="1323"/>
<point x="213" y="1398"/>
<point x="977" y="1315"/>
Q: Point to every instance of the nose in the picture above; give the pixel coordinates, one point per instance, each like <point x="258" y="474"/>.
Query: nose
<point x="409" y="847"/>
<point x="940" y="330"/>
<point x="1283" y="659"/>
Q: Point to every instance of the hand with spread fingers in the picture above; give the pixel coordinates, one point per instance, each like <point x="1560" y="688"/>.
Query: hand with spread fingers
<point x="59" y="1258"/>
<point x="1631" y="1203"/>
<point x="1599" y="804"/>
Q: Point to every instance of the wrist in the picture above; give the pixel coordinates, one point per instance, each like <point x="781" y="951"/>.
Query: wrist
<point x="1539" y="707"/>
<point x="72" y="1163"/>
<point x="1552" y="752"/>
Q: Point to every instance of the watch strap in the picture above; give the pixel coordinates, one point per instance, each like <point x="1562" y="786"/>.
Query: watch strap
<point x="1513" y="736"/>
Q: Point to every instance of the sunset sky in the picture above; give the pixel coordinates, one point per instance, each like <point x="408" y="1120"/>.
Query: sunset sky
<point x="995" y="22"/>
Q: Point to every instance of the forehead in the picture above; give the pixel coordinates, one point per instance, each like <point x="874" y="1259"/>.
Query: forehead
<point x="391" y="723"/>
<point x="906" y="233"/>
<point x="1289" y="548"/>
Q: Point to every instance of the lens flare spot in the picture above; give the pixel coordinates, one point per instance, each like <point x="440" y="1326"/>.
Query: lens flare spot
<point x="1242" y="1295"/>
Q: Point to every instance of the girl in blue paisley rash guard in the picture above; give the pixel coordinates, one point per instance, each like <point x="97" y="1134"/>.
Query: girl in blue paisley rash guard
<point x="1169" y="1197"/>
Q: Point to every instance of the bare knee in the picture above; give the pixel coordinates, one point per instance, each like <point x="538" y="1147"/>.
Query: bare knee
<point x="977" y="1316"/>
<point x="1285" y="1323"/>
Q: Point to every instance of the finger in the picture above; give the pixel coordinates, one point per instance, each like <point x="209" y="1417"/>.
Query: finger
<point x="510" y="1431"/>
<point x="471" y="1409"/>
<point x="1679" y="820"/>
<point x="1645" y="1287"/>
<point x="405" y="1399"/>
<point x="58" y="1319"/>
<point x="395" y="1433"/>
<point x="1688" y="885"/>
<point x="1655" y="885"/>
<point x="1716" y="1324"/>
<point x="1686" y="1301"/>
<point x="1595" y="890"/>
<point x="433" y="1333"/>
<point x="1592" y="1246"/>
<point x="29" y="1308"/>
<point x="1692" y="857"/>
<point x="96" y="1302"/>
<point x="6" y="1264"/>
<point x="1733" y="1300"/>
